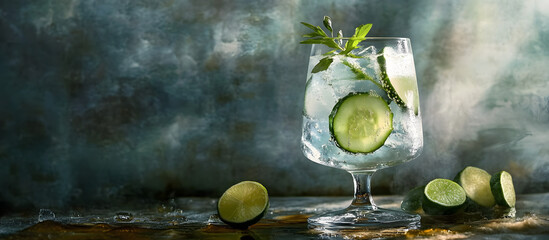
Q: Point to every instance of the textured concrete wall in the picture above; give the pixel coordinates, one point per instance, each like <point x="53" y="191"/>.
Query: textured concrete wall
<point x="104" y="100"/>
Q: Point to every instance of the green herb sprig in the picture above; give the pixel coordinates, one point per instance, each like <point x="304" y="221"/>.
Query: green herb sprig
<point x="318" y="36"/>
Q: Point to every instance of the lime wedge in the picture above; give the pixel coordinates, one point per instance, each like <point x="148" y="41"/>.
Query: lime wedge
<point x="443" y="196"/>
<point x="476" y="183"/>
<point x="398" y="81"/>
<point x="243" y="204"/>
<point x="412" y="200"/>
<point x="503" y="190"/>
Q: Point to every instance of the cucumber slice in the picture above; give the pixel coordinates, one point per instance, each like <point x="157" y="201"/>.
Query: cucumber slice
<point x="442" y="197"/>
<point x="361" y="122"/>
<point x="401" y="87"/>
<point x="243" y="204"/>
<point x="503" y="189"/>
<point x="476" y="183"/>
<point x="412" y="200"/>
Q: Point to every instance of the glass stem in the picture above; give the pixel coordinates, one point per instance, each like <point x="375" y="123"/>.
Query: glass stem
<point x="363" y="197"/>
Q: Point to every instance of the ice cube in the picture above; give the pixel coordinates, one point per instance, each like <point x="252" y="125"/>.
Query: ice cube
<point x="319" y="99"/>
<point x="371" y="50"/>
<point x="339" y="69"/>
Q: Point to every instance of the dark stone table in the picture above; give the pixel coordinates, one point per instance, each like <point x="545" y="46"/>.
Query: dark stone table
<point x="194" y="218"/>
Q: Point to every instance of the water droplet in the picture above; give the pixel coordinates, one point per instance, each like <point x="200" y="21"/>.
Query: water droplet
<point x="176" y="217"/>
<point x="165" y="208"/>
<point x="123" y="217"/>
<point x="174" y="213"/>
<point x="178" y="213"/>
<point x="45" y="214"/>
<point x="214" y="219"/>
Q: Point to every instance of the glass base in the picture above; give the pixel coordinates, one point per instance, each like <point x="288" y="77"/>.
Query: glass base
<point x="365" y="217"/>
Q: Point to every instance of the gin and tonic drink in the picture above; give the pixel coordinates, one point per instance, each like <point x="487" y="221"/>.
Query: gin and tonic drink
<point x="389" y="135"/>
<point x="361" y="114"/>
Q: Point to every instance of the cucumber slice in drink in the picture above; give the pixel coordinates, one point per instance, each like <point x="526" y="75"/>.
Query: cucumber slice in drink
<point x="243" y="204"/>
<point x="443" y="196"/>
<point x="401" y="87"/>
<point x="412" y="200"/>
<point x="503" y="190"/>
<point x="476" y="183"/>
<point x="361" y="122"/>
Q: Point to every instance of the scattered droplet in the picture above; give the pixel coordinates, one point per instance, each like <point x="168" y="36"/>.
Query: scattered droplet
<point x="45" y="214"/>
<point x="164" y="208"/>
<point x="174" y="223"/>
<point x="123" y="217"/>
<point x="177" y="217"/>
<point x="213" y="218"/>
<point x="175" y="213"/>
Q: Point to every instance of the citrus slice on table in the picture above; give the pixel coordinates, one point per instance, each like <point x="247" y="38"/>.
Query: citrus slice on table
<point x="503" y="189"/>
<point x="361" y="122"/>
<point x="243" y="204"/>
<point x="476" y="183"/>
<point x="412" y="200"/>
<point x="443" y="196"/>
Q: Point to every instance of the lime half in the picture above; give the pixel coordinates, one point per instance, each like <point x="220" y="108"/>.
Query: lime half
<point x="503" y="189"/>
<point x="443" y="196"/>
<point x="243" y="204"/>
<point x="412" y="200"/>
<point x="476" y="183"/>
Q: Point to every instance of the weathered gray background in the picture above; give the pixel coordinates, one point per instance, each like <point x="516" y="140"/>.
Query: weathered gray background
<point x="110" y="100"/>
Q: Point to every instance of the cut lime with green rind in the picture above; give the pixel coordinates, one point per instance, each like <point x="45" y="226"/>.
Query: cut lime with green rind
<point x="503" y="189"/>
<point x="442" y="197"/>
<point x="243" y="204"/>
<point x="476" y="183"/>
<point x="400" y="88"/>
<point x="412" y="200"/>
<point x="361" y="122"/>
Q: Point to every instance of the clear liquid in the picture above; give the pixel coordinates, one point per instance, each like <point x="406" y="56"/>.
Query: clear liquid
<point x="323" y="91"/>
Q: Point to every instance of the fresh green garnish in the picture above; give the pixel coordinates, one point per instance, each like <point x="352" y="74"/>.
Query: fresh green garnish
<point x="413" y="200"/>
<point x="401" y="89"/>
<point x="359" y="72"/>
<point x="243" y="204"/>
<point x="503" y="190"/>
<point x="476" y="183"/>
<point x="319" y="36"/>
<point x="323" y="64"/>
<point x="361" y="122"/>
<point x="442" y="196"/>
<point x="473" y="189"/>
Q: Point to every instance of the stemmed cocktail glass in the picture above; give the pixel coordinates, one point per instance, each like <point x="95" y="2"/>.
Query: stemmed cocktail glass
<point x="361" y="114"/>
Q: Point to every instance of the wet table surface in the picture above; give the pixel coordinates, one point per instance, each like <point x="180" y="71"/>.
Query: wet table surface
<point x="195" y="218"/>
